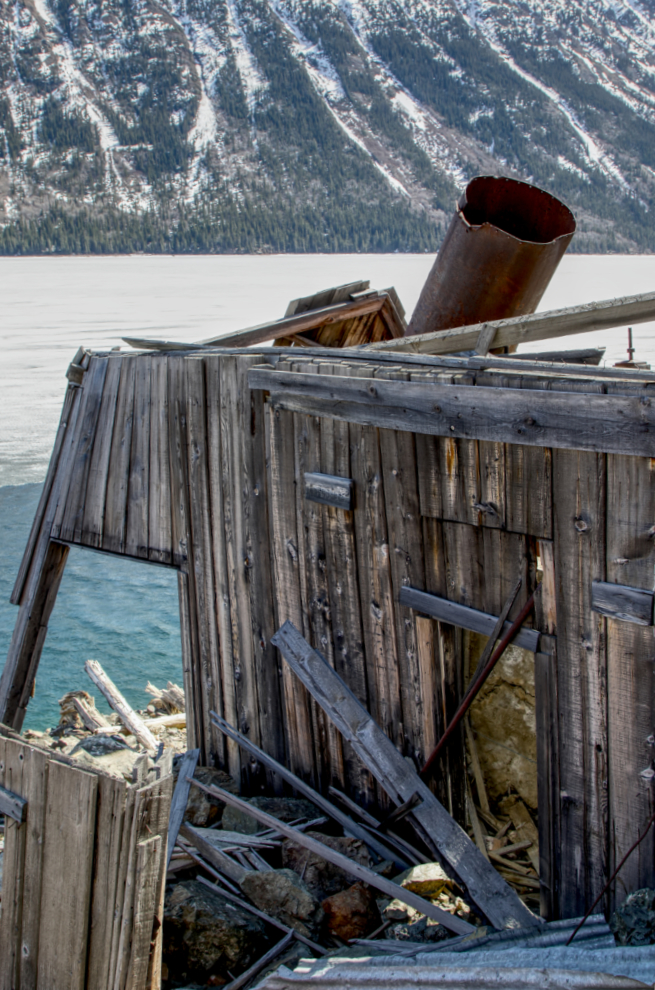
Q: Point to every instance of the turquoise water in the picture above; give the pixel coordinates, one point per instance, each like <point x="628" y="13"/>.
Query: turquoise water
<point x="122" y="613"/>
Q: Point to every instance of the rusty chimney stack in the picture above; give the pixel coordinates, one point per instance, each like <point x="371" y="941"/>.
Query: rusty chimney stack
<point x="499" y="254"/>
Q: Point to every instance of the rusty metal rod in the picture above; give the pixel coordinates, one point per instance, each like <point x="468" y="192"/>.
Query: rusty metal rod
<point x="476" y="684"/>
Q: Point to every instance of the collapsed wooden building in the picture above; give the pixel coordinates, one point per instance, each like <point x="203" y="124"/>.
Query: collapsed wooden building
<point x="367" y="495"/>
<point x="373" y="497"/>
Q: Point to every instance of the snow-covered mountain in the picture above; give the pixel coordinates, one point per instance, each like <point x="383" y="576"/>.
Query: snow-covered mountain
<point x="243" y="125"/>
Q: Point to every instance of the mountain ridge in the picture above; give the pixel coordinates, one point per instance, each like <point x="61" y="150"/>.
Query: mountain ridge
<point x="316" y="125"/>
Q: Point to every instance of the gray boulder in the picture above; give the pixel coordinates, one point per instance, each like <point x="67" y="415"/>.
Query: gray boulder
<point x="284" y="895"/>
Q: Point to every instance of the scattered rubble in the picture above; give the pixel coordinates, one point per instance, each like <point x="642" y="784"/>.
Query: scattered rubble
<point x="352" y="913"/>
<point x="633" y="923"/>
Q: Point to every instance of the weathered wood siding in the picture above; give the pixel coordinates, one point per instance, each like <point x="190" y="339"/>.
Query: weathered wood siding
<point x="173" y="459"/>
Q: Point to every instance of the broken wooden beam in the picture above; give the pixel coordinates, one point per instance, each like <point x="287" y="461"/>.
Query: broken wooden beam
<point x="618" y="601"/>
<point x="327" y="489"/>
<point x="491" y="895"/>
<point x="180" y="798"/>
<point x="12" y="805"/>
<point x="350" y="827"/>
<point x="121" y="706"/>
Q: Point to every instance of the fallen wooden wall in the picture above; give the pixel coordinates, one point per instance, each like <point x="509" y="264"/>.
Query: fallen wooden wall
<point x="173" y="459"/>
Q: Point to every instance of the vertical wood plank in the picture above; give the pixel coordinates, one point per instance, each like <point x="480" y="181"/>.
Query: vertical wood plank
<point x="335" y="762"/>
<point x="35" y="779"/>
<point x="398" y="455"/>
<point x="125" y="843"/>
<point x="73" y="517"/>
<point x="201" y="558"/>
<point x="67" y="871"/>
<point x="94" y="502"/>
<point x="227" y="750"/>
<point x="159" y="496"/>
<point x="528" y="490"/>
<point x="136" y="527"/>
<point x="579" y="527"/>
<point x="548" y="782"/>
<point x="375" y="583"/>
<point x="286" y="571"/>
<point x="146" y="879"/>
<point x="630" y="689"/>
<point x="113" y="537"/>
<point x="491" y="467"/>
<point x="111" y="802"/>
<point x="11" y="918"/>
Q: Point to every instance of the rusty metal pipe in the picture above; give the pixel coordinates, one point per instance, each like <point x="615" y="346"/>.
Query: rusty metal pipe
<point x="499" y="254"/>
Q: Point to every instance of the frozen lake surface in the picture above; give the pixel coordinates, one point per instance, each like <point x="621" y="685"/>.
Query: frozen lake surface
<point x="120" y="612"/>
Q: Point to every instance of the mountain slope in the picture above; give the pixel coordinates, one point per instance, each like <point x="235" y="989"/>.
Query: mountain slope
<point x="245" y="125"/>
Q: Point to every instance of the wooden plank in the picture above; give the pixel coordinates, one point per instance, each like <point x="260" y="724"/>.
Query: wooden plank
<point x="67" y="871"/>
<point x="133" y="722"/>
<point x="14" y="865"/>
<point x="528" y="490"/>
<point x="463" y="616"/>
<point x="350" y="827"/>
<point x="115" y="514"/>
<point x="343" y="591"/>
<point x="149" y="853"/>
<point x="535" y="326"/>
<point x="325" y="297"/>
<point x="212" y="853"/>
<point x="618" y="601"/>
<point x="333" y="765"/>
<point x="12" y="806"/>
<point x="138" y="488"/>
<point x="208" y="690"/>
<point x="111" y="804"/>
<point x="375" y="583"/>
<point x="228" y="753"/>
<point x="159" y="498"/>
<point x="631" y="700"/>
<point x="245" y="510"/>
<point x="329" y="490"/>
<point x="548" y="787"/>
<point x="449" y="479"/>
<point x="187" y="769"/>
<point x="287" y="326"/>
<point x="399" y="471"/>
<point x="46" y="491"/>
<point x="485" y="887"/>
<point x="73" y="515"/>
<point x="579" y="528"/>
<point x="127" y="838"/>
<point x="559" y="419"/>
<point x="375" y="880"/>
<point x="286" y="564"/>
<point x="29" y="632"/>
<point x="546" y="601"/>
<point x="94" y="501"/>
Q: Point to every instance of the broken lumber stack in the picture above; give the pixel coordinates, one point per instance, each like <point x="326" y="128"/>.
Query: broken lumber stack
<point x="83" y="872"/>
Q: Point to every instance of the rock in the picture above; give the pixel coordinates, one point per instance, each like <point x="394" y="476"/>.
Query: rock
<point x="202" y="809"/>
<point x="107" y="753"/>
<point x="284" y="895"/>
<point x="633" y="923"/>
<point x="352" y="913"/>
<point x="205" y="935"/>
<point x="322" y="878"/>
<point x="422" y="930"/>
<point x="286" y="809"/>
<point x="427" y="880"/>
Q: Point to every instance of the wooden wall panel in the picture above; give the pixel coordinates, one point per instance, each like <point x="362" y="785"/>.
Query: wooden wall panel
<point x="630" y="687"/>
<point x="579" y="487"/>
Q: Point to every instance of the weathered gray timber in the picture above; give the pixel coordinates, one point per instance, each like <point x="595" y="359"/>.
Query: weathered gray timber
<point x="461" y="615"/>
<point x="617" y="601"/>
<point x="615" y="424"/>
<point x="12" y="806"/>
<point x="489" y="893"/>
<point x="187" y="768"/>
<point x="536" y="326"/>
<point x="329" y="490"/>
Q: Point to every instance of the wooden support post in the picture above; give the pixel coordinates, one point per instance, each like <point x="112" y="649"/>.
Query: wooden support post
<point x="29" y="634"/>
